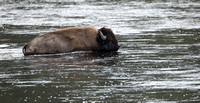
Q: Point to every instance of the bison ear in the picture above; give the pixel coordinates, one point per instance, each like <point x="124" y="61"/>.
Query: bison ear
<point x="102" y="36"/>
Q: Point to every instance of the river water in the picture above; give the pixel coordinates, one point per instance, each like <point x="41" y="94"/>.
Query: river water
<point x="159" y="58"/>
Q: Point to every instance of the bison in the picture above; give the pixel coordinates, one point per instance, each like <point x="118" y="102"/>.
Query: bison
<point x="72" y="39"/>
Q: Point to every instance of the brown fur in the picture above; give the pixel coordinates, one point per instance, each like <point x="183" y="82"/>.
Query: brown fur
<point x="67" y="40"/>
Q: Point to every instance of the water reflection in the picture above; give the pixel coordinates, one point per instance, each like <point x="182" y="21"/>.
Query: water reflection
<point x="75" y="59"/>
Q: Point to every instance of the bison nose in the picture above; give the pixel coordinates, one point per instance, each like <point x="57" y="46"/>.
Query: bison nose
<point x="118" y="45"/>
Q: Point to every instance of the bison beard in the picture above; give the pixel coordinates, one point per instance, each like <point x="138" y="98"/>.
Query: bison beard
<point x="72" y="39"/>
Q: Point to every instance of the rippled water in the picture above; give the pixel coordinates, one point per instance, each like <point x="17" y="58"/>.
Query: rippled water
<point x="159" y="58"/>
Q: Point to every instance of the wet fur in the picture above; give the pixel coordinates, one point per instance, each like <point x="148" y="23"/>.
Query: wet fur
<point x="110" y="44"/>
<point x="72" y="39"/>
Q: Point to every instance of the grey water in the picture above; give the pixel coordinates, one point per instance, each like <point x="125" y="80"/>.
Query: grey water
<point x="158" y="61"/>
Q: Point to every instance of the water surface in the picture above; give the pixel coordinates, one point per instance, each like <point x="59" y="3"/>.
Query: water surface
<point x="159" y="58"/>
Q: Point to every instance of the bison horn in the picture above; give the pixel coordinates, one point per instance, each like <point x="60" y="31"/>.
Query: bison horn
<point x="102" y="36"/>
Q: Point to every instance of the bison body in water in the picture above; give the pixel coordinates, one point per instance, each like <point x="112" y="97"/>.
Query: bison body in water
<point x="73" y="39"/>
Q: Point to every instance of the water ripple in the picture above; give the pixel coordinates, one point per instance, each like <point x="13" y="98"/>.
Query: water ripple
<point x="158" y="60"/>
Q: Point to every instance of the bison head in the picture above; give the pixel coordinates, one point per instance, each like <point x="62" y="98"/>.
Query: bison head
<point x="107" y="40"/>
